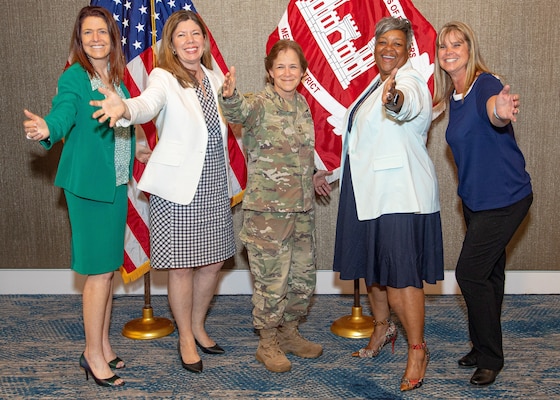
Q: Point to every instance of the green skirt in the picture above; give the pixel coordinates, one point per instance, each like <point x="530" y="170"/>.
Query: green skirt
<point x="97" y="232"/>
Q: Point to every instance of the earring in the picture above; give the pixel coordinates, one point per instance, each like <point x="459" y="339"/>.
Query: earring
<point x="174" y="52"/>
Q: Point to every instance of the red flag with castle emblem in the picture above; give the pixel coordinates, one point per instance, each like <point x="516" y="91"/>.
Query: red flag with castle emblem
<point x="337" y="37"/>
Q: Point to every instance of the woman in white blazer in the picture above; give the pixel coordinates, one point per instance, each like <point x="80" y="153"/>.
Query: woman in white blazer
<point x="389" y="229"/>
<point x="191" y="228"/>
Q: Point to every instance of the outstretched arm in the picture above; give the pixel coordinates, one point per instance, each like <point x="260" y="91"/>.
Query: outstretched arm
<point x="392" y="98"/>
<point x="35" y="127"/>
<point x="503" y="107"/>
<point x="113" y="107"/>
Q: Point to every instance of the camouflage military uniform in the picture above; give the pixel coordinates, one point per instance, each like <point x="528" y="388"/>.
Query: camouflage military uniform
<point x="279" y="219"/>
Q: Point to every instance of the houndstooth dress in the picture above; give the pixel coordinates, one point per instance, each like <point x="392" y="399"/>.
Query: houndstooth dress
<point x="201" y="232"/>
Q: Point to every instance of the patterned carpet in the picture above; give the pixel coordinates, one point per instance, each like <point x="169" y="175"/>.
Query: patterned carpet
<point x="41" y="339"/>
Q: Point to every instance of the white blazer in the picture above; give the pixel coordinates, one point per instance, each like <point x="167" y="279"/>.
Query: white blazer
<point x="174" y="168"/>
<point x="389" y="162"/>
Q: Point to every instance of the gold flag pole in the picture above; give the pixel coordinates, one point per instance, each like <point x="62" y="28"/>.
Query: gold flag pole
<point x="147" y="327"/>
<point x="356" y="325"/>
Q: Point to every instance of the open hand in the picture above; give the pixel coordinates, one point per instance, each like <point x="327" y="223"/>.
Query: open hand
<point x="229" y="83"/>
<point x="507" y="104"/>
<point x="35" y="127"/>
<point x="112" y="108"/>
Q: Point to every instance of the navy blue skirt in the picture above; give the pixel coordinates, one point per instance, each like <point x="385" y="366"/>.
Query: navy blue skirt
<point x="395" y="250"/>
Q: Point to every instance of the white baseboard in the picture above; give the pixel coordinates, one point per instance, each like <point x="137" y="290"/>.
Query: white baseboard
<point x="64" y="281"/>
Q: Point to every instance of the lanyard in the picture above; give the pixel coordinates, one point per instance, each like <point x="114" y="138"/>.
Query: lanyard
<point x="360" y="102"/>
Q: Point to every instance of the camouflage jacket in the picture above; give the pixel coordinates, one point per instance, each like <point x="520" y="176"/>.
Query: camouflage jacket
<point x="279" y="140"/>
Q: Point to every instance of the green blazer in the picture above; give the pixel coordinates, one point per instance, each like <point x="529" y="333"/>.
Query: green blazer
<point x="87" y="164"/>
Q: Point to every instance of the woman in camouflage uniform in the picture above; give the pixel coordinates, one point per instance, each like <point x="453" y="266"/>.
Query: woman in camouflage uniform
<point x="279" y="220"/>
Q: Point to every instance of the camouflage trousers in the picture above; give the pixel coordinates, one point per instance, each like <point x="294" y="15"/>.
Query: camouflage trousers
<point x="281" y="250"/>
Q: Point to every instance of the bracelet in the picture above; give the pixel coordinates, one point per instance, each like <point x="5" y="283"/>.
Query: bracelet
<point x="496" y="115"/>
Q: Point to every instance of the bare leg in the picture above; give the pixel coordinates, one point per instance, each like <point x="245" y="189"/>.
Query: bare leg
<point x="97" y="290"/>
<point x="180" y="297"/>
<point x="107" y="349"/>
<point x="378" y="300"/>
<point x="408" y="304"/>
<point x="205" y="281"/>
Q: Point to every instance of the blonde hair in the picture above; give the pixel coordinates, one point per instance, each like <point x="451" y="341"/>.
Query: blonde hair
<point x="443" y="86"/>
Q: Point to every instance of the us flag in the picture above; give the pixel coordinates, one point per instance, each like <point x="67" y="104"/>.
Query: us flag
<point x="338" y="38"/>
<point x="141" y="24"/>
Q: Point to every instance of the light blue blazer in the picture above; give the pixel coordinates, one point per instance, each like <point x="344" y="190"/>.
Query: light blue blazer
<point x="389" y="162"/>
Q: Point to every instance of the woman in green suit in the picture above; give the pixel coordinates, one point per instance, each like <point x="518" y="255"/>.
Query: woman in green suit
<point x="94" y="169"/>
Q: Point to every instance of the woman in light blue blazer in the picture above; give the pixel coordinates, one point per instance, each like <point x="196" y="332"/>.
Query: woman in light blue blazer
<point x="389" y="230"/>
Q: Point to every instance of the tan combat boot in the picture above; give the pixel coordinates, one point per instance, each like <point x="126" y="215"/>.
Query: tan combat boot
<point x="291" y="341"/>
<point x="270" y="354"/>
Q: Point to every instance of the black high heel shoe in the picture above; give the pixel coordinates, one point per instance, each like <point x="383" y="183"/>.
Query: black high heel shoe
<point x="101" y="382"/>
<point x="216" y="349"/>
<point x="193" y="367"/>
<point x="114" y="363"/>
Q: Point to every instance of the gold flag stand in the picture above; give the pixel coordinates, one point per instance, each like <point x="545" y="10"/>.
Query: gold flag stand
<point x="356" y="325"/>
<point x="147" y="327"/>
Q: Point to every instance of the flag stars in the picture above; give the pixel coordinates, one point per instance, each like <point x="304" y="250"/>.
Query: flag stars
<point x="187" y="7"/>
<point x="123" y="41"/>
<point x="140" y="27"/>
<point x="125" y="23"/>
<point x="143" y="9"/>
<point x="137" y="45"/>
<point x="117" y="1"/>
<point x="127" y="5"/>
<point x="116" y="17"/>
<point x="171" y="3"/>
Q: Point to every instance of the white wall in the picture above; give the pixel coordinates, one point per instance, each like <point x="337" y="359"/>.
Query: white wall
<point x="63" y="281"/>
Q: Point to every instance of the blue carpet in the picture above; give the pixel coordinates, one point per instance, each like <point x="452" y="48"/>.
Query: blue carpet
<point x="41" y="339"/>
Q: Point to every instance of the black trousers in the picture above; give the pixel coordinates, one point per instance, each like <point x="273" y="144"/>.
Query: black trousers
<point x="480" y="274"/>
